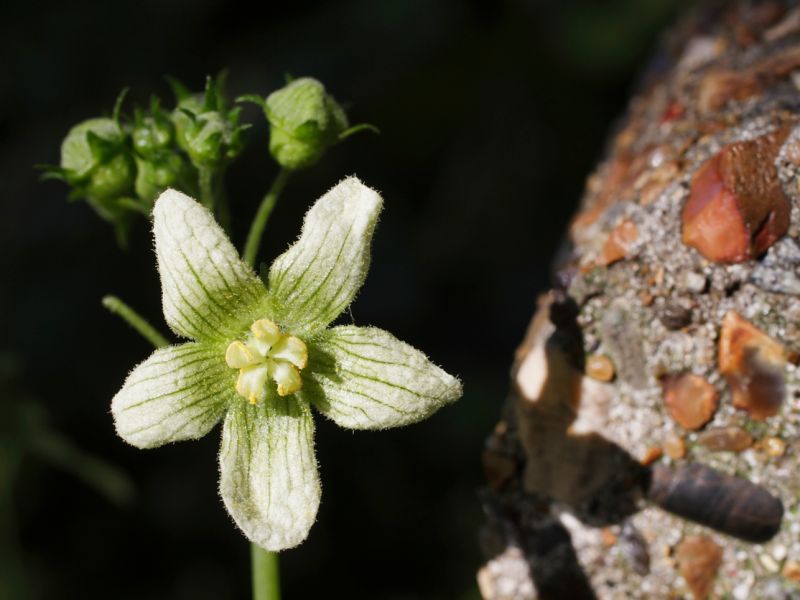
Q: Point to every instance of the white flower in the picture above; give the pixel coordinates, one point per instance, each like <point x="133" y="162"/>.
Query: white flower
<point x="260" y="357"/>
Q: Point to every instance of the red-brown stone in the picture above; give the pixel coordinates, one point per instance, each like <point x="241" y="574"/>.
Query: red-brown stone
<point x="699" y="559"/>
<point x="725" y="439"/>
<point x="619" y="242"/>
<point x="736" y="208"/>
<point x="753" y="364"/>
<point x="690" y="399"/>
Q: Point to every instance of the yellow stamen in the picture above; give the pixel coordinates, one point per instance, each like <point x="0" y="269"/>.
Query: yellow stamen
<point x="265" y="354"/>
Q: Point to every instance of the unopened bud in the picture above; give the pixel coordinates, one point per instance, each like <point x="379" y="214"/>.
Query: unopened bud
<point x="153" y="131"/>
<point x="304" y="121"/>
<point x="96" y="161"/>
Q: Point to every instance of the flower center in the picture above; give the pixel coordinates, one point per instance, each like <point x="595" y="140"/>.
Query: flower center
<point x="265" y="354"/>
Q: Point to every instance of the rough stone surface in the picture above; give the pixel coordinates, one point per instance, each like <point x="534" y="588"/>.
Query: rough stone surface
<point x="726" y="77"/>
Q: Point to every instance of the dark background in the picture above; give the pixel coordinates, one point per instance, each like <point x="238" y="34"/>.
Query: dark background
<point x="492" y="114"/>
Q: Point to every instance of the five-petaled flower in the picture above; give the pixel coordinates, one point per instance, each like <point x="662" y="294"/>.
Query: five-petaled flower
<point x="262" y="355"/>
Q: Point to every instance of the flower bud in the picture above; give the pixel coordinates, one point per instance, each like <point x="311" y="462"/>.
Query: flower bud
<point x="158" y="173"/>
<point x="111" y="179"/>
<point x="96" y="161"/>
<point x="88" y="144"/>
<point x="153" y="132"/>
<point x="205" y="129"/>
<point x="304" y="121"/>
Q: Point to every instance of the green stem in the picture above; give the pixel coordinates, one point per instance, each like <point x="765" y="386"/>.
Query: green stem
<point x="266" y="577"/>
<point x="132" y="318"/>
<point x="262" y="216"/>
<point x="206" y="177"/>
<point x="212" y="194"/>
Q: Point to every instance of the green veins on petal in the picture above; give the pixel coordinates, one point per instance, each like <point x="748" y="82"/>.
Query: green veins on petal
<point x="262" y="356"/>
<point x="179" y="393"/>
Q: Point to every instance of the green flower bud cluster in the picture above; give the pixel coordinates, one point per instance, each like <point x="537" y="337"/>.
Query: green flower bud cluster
<point x="304" y="122"/>
<point x="121" y="165"/>
<point x="158" y="163"/>
<point x="205" y="128"/>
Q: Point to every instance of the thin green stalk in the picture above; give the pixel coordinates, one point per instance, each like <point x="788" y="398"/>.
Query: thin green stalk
<point x="206" y="177"/>
<point x="212" y="194"/>
<point x="266" y="576"/>
<point x="262" y="216"/>
<point x="132" y="318"/>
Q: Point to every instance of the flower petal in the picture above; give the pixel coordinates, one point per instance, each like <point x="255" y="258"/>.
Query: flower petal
<point x="179" y="393"/>
<point x="269" y="480"/>
<point x="365" y="378"/>
<point x="208" y="292"/>
<point x="317" y="278"/>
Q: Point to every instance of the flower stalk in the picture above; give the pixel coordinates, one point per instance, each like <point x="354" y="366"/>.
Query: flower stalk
<point x="266" y="573"/>
<point x="135" y="320"/>
<point x="262" y="216"/>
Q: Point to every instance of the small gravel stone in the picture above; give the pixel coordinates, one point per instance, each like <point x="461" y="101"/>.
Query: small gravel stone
<point x="725" y="439"/>
<point x="600" y="367"/>
<point x="690" y="399"/>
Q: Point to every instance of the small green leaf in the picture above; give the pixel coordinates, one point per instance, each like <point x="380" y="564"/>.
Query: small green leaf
<point x="358" y="129"/>
<point x="252" y="99"/>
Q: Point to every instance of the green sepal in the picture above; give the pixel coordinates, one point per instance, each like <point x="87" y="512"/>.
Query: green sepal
<point x="117" y="111"/>
<point x="179" y="90"/>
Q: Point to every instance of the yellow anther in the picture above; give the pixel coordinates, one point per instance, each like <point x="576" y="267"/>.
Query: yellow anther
<point x="252" y="382"/>
<point x="287" y="377"/>
<point x="267" y="353"/>
<point x="238" y="355"/>
<point x="266" y="331"/>
<point x="292" y="349"/>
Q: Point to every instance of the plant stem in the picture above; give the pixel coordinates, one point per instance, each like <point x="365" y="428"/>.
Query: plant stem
<point x="206" y="183"/>
<point x="135" y="320"/>
<point x="266" y="578"/>
<point x="262" y="216"/>
<point x="212" y="194"/>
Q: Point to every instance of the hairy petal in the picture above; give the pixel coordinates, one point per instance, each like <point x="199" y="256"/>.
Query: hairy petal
<point x="179" y="393"/>
<point x="318" y="277"/>
<point x="208" y="292"/>
<point x="365" y="378"/>
<point x="269" y="479"/>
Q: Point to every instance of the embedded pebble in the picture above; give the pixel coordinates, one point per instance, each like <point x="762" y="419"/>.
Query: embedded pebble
<point x="774" y="446"/>
<point x="699" y="558"/>
<point x="675" y="447"/>
<point x="725" y="439"/>
<point x="674" y="316"/>
<point x="600" y="367"/>
<point x="690" y="399"/>
<point x="753" y="363"/>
